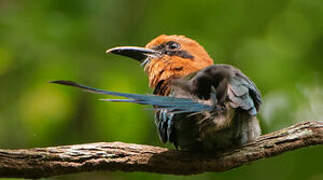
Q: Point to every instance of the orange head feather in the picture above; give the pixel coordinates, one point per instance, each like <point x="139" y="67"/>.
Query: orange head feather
<point x="180" y="57"/>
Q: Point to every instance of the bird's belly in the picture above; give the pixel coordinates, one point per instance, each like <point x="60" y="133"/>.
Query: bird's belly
<point x="193" y="139"/>
<point x="223" y="131"/>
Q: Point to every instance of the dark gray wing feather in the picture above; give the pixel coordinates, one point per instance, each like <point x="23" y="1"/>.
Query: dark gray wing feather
<point x="243" y="94"/>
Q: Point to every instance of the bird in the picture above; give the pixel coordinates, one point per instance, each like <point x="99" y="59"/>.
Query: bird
<point x="199" y="106"/>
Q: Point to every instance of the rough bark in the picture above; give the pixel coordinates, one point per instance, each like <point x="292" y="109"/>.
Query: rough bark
<point x="118" y="156"/>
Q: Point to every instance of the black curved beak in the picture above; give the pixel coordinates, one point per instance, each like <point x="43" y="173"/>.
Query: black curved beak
<point x="137" y="53"/>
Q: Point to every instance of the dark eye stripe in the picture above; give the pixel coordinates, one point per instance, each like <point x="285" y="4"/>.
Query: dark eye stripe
<point x="159" y="47"/>
<point x="163" y="48"/>
<point x="181" y="53"/>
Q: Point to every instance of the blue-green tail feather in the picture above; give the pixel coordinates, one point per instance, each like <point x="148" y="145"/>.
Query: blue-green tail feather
<point x="164" y="102"/>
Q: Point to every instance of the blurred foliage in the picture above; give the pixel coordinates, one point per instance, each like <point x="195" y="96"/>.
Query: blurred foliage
<point x="279" y="44"/>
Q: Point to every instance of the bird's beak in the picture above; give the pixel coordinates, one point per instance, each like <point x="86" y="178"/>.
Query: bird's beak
<point x="137" y="53"/>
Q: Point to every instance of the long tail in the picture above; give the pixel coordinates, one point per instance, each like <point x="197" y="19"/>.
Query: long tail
<point x="163" y="102"/>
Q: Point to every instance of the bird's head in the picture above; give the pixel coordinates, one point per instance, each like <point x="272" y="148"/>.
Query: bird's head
<point x="167" y="57"/>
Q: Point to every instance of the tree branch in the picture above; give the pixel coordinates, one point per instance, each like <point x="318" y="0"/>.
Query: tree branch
<point x="52" y="161"/>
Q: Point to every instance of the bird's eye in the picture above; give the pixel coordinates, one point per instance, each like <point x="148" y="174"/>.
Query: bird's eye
<point x="172" y="45"/>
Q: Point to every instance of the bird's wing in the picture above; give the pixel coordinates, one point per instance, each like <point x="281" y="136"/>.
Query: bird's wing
<point x="243" y="93"/>
<point x="162" y="102"/>
<point x="230" y="85"/>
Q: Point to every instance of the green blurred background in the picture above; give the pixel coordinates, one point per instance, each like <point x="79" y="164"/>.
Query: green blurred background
<point x="278" y="44"/>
